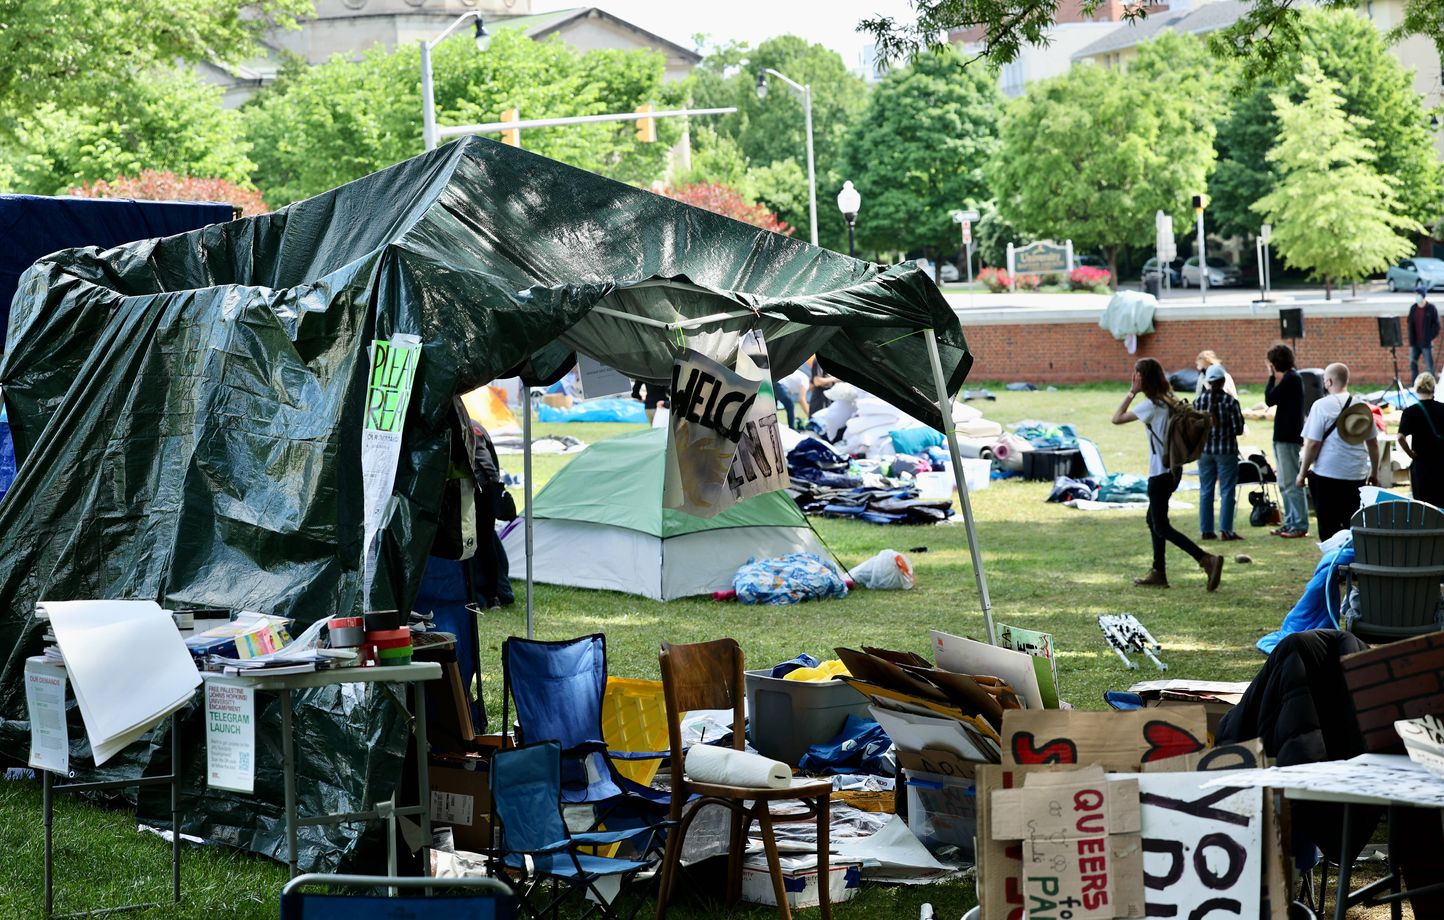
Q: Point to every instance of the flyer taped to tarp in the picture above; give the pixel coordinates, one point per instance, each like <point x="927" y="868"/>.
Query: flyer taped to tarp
<point x="393" y="369"/>
<point x="723" y="444"/>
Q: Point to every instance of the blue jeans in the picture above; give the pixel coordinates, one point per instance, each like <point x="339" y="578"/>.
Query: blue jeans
<point x="1296" y="504"/>
<point x="1220" y="470"/>
<point x="1415" y="352"/>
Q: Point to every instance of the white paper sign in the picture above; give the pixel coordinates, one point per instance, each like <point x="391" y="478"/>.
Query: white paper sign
<point x="230" y="737"/>
<point x="1203" y="849"/>
<point x="710" y="407"/>
<point x="760" y="462"/>
<point x="452" y="807"/>
<point x="45" y="698"/>
<point x="1424" y="742"/>
<point x="393" y="370"/>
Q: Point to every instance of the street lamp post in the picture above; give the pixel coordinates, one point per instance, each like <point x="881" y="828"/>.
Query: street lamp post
<point x="428" y="92"/>
<point x="806" y="93"/>
<point x="849" y="202"/>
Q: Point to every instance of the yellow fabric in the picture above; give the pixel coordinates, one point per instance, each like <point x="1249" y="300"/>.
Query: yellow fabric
<point x="825" y="671"/>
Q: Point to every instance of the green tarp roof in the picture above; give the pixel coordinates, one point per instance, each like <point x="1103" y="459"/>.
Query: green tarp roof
<point x="618" y="482"/>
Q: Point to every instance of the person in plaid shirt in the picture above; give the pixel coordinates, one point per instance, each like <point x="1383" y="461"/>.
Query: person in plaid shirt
<point x="1219" y="463"/>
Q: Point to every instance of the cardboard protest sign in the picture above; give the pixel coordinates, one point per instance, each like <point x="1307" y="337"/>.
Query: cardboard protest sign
<point x="710" y="406"/>
<point x="1116" y="740"/>
<point x="1079" y="847"/>
<point x="1203" y="849"/>
<point x="388" y="393"/>
<point x="1039" y="645"/>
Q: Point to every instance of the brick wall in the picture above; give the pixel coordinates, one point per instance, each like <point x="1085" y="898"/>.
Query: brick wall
<point x="1400" y="680"/>
<point x="1066" y="352"/>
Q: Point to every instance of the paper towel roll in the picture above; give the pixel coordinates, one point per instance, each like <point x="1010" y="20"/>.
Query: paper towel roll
<point x="726" y="767"/>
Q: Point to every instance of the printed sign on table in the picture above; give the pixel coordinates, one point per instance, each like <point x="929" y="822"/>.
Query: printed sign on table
<point x="393" y="370"/>
<point x="1423" y="742"/>
<point x="45" y="699"/>
<point x="230" y="737"/>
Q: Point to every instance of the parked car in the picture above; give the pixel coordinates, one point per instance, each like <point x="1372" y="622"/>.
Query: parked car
<point x="1090" y="261"/>
<point x="1409" y="272"/>
<point x="950" y="271"/>
<point x="1151" y="270"/>
<point x="1220" y="273"/>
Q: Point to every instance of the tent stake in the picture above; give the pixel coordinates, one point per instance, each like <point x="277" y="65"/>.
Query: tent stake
<point x="526" y="496"/>
<point x="945" y="406"/>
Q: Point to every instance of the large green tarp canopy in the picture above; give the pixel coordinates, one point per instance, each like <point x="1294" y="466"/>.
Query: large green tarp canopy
<point x="187" y="411"/>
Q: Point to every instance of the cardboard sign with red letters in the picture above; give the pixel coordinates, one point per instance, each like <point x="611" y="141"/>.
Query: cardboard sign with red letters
<point x="1115" y="740"/>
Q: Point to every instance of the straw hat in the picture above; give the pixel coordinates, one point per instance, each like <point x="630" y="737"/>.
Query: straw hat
<point x="1355" y="423"/>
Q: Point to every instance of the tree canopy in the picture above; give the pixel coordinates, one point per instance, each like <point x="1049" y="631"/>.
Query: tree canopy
<point x="1334" y="214"/>
<point x="67" y="54"/>
<point x="322" y="126"/>
<point x="1093" y="154"/>
<point x="919" y="152"/>
<point x="1372" y="86"/>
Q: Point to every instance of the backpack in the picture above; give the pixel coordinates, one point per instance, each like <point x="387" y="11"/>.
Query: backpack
<point x="1186" y="434"/>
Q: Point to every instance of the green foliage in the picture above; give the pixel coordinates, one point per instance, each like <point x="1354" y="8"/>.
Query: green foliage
<point x="919" y="151"/>
<point x="1372" y="86"/>
<point x="167" y="121"/>
<point x="70" y="55"/>
<point x="772" y="131"/>
<point x="340" y="120"/>
<point x="1334" y="215"/>
<point x="1093" y="154"/>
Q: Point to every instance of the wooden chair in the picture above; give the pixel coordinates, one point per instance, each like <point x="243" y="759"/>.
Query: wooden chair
<point x="708" y="675"/>
<point x="1398" y="564"/>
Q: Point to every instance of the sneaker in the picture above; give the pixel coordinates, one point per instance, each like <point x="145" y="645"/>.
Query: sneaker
<point x="1279" y="532"/>
<point x="1229" y="535"/>
<point x="1210" y="535"/>
<point x="1154" y="579"/>
<point x="1294" y="534"/>
<point x="1213" y="565"/>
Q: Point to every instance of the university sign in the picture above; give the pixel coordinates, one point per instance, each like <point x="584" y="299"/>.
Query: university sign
<point x="1044" y="257"/>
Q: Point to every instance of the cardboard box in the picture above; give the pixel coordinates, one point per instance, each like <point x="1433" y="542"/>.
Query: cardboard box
<point x="799" y="879"/>
<point x="461" y="799"/>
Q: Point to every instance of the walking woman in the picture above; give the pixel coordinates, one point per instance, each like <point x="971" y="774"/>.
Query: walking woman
<point x="1149" y="379"/>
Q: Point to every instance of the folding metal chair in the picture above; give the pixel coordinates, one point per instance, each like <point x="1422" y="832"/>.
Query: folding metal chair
<point x="536" y="846"/>
<point x="471" y="899"/>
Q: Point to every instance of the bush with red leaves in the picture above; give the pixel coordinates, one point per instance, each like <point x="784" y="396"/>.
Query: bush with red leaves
<point x="727" y="201"/>
<point x="152" y="185"/>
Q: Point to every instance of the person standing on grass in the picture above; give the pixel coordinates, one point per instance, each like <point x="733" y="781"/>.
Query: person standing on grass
<point x="1341" y="452"/>
<point x="1423" y="330"/>
<point x="1206" y="359"/>
<point x="1421" y="436"/>
<point x="1285" y="392"/>
<point x="1149" y="379"/>
<point x="1218" y="465"/>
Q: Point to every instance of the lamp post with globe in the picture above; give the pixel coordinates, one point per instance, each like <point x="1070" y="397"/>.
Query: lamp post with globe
<point x="849" y="202"/>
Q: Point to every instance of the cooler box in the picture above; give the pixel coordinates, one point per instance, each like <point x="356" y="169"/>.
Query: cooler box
<point x="942" y="810"/>
<point x="1048" y="465"/>
<point x="799" y="881"/>
<point x="786" y="717"/>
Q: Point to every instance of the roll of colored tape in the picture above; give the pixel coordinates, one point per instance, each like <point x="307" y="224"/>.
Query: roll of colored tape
<point x="378" y="620"/>
<point x="384" y="635"/>
<point x="346" y="636"/>
<point x="391" y="643"/>
<point x="393" y="662"/>
<point x="402" y="652"/>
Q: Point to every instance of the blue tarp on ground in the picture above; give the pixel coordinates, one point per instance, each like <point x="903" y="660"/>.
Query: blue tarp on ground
<point x="33" y="226"/>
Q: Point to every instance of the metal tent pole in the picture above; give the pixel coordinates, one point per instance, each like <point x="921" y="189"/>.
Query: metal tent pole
<point x="526" y="497"/>
<point x="945" y="406"/>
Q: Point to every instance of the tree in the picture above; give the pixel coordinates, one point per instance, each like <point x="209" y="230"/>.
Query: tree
<point x="1372" y="86"/>
<point x="918" y="153"/>
<point x="151" y="185"/>
<point x="1264" y="36"/>
<point x="719" y="199"/>
<point x="335" y="122"/>
<point x="70" y="55"/>
<point x="771" y="132"/>
<point x="1333" y="213"/>
<point x="167" y="121"/>
<point x="1092" y="155"/>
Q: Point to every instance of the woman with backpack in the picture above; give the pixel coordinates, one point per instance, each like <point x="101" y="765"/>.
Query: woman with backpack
<point x="1154" y="411"/>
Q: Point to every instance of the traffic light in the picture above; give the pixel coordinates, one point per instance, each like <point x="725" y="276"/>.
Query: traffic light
<point x="1200" y="202"/>
<point x="511" y="136"/>
<point x="646" y="127"/>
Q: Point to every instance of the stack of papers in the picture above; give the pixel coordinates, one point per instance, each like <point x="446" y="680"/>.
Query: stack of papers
<point x="128" y="665"/>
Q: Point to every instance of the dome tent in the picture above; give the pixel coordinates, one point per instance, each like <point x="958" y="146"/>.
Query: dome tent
<point x="599" y="523"/>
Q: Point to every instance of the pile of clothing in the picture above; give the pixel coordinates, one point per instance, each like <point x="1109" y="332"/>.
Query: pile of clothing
<point x="829" y="483"/>
<point x="1046" y="435"/>
<point x="1115" y="488"/>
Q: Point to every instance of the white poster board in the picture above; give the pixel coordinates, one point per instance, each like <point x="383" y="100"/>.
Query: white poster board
<point x="388" y="393"/>
<point x="759" y="463"/>
<point x="230" y="737"/>
<point x="710" y="406"/>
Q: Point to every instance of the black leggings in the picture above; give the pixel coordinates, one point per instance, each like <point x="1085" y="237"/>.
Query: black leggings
<point x="1335" y="501"/>
<point x="1160" y="489"/>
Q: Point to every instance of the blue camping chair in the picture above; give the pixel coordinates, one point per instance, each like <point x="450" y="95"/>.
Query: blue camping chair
<point x="526" y="785"/>
<point x="558" y="689"/>
<point x="475" y="899"/>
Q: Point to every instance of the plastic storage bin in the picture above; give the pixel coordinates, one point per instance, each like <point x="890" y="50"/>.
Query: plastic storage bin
<point x="786" y="717"/>
<point x="1048" y="465"/>
<point x="942" y="810"/>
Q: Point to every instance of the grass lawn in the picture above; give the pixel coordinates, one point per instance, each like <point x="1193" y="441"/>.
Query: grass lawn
<point x="1048" y="567"/>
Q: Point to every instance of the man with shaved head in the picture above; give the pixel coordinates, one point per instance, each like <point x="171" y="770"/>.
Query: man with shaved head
<point x="1341" y="452"/>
